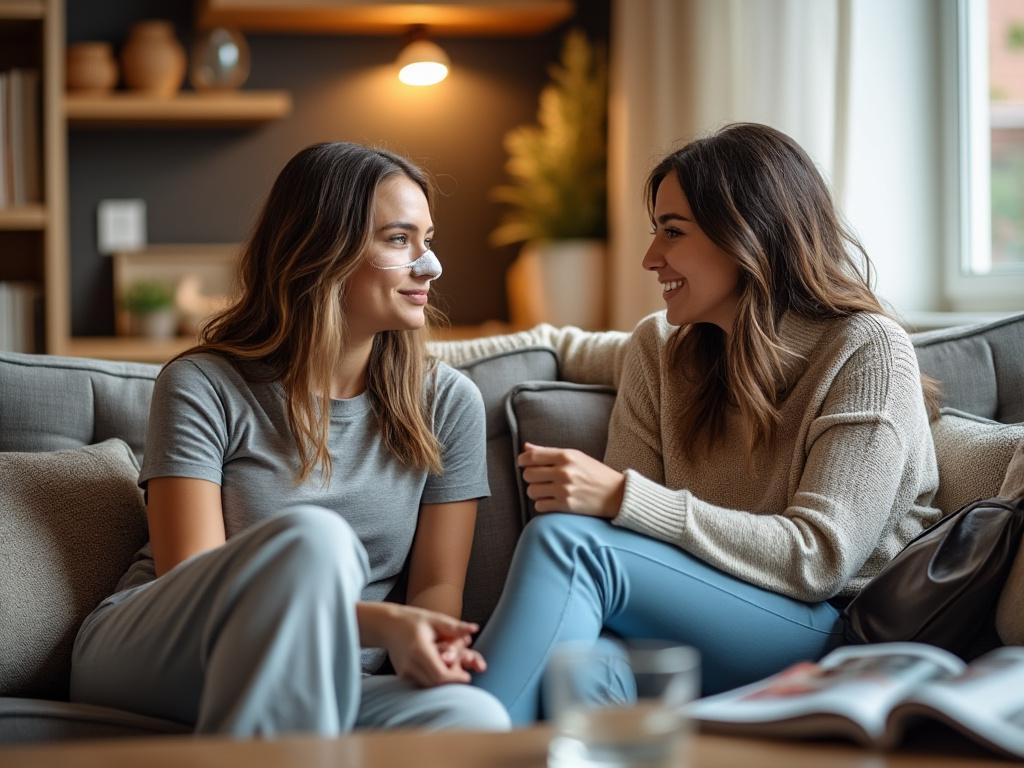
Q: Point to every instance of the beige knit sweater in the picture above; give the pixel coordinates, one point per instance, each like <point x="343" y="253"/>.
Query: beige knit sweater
<point x="846" y="484"/>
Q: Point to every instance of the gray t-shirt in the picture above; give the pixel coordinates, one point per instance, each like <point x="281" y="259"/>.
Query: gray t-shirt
<point x="208" y="421"/>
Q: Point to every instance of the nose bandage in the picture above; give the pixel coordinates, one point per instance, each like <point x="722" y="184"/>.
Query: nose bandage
<point x="426" y="265"/>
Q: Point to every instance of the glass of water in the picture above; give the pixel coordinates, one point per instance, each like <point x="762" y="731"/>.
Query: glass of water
<point x="620" y="705"/>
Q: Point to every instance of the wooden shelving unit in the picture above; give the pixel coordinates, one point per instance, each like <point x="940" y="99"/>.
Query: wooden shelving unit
<point x="202" y="110"/>
<point x="25" y="218"/>
<point x="385" y="17"/>
<point x="14" y="10"/>
<point x="33" y="237"/>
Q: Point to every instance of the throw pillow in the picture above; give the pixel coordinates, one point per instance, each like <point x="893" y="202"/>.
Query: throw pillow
<point x="1010" y="610"/>
<point x="559" y="414"/>
<point x="70" y="522"/>
<point x="973" y="454"/>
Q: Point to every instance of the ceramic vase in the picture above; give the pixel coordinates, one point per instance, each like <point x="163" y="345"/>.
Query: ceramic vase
<point x="559" y="282"/>
<point x="91" y="68"/>
<point x="153" y="60"/>
<point x="219" y="60"/>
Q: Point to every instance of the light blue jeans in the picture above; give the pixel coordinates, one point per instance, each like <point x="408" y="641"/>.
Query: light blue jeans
<point x="574" y="576"/>
<point x="259" y="637"/>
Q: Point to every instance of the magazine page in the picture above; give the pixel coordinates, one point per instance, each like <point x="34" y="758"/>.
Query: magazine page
<point x="984" y="701"/>
<point x="848" y="693"/>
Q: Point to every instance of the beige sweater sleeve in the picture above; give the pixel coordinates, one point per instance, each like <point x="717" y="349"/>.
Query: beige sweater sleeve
<point x="845" y="495"/>
<point x="585" y="357"/>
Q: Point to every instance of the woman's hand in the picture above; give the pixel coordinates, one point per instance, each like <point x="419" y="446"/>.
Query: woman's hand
<point x="430" y="648"/>
<point x="567" y="480"/>
<point x="459" y="653"/>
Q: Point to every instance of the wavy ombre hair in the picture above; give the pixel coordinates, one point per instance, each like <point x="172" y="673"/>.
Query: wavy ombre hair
<point x="310" y="238"/>
<point x="758" y="196"/>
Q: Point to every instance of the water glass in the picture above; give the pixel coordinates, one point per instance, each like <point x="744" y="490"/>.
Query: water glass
<point x="620" y="705"/>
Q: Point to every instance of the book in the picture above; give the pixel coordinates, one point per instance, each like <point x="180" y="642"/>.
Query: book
<point x="23" y="127"/>
<point x="874" y="693"/>
<point x="5" y="148"/>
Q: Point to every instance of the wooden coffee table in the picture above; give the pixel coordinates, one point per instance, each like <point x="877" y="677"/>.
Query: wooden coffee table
<point x="519" y="749"/>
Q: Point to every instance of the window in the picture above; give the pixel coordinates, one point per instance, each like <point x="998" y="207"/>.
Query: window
<point x="985" y="83"/>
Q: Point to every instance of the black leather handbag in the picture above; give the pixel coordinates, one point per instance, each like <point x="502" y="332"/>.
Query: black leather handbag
<point x="942" y="588"/>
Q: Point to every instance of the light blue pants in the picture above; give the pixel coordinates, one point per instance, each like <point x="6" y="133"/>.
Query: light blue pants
<point x="259" y="638"/>
<point x="574" y="576"/>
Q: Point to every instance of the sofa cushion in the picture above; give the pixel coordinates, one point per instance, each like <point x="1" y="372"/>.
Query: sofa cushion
<point x="49" y="402"/>
<point x="973" y="455"/>
<point x="70" y="521"/>
<point x="499" y="518"/>
<point x="35" y="720"/>
<point x="558" y="414"/>
<point x="980" y="367"/>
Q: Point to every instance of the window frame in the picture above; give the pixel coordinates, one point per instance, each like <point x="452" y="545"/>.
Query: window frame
<point x="967" y="148"/>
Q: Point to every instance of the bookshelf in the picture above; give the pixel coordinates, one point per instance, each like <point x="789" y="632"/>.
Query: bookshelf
<point x="33" y="234"/>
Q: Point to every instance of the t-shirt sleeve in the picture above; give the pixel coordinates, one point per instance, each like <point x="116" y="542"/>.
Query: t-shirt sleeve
<point x="187" y="431"/>
<point x="461" y="429"/>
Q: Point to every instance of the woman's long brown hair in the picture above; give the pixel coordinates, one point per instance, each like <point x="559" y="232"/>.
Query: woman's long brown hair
<point x="294" y="271"/>
<point x="759" y="197"/>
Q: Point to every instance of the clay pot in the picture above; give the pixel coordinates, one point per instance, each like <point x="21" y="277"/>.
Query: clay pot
<point x="152" y="59"/>
<point x="90" y="68"/>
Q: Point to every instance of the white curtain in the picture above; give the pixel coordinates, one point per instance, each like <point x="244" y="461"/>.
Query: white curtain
<point x="683" y="68"/>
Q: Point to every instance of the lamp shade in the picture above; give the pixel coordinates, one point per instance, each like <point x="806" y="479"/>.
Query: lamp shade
<point x="422" y="62"/>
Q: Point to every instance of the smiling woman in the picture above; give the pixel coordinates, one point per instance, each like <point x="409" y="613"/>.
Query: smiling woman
<point x="768" y="452"/>
<point x="271" y="445"/>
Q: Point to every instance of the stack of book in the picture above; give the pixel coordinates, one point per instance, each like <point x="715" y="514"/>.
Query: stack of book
<point x="19" y="316"/>
<point x="20" y="138"/>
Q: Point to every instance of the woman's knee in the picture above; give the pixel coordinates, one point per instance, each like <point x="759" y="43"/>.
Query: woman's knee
<point x="313" y="541"/>
<point x="558" y="535"/>
<point x="464" y="707"/>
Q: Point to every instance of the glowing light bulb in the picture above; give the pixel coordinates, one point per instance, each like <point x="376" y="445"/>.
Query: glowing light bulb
<point x="422" y="63"/>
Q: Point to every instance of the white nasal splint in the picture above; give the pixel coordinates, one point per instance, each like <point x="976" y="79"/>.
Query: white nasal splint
<point x="426" y="265"/>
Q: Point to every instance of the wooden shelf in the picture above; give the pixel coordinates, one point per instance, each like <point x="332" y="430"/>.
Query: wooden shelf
<point x="22" y="9"/>
<point x="29" y="217"/>
<point x="386" y="17"/>
<point x="142" y="350"/>
<point x="201" y="110"/>
<point x="131" y="348"/>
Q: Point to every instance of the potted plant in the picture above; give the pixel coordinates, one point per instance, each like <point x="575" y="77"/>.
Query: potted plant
<point x="557" y="195"/>
<point x="150" y="304"/>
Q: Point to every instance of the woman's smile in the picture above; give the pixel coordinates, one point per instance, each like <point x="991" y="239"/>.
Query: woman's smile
<point x="416" y="295"/>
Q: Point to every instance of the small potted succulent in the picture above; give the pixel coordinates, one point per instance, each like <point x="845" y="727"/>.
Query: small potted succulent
<point x="150" y="304"/>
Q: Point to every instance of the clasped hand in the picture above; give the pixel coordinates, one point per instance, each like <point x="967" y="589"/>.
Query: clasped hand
<point x="430" y="648"/>
<point x="567" y="480"/>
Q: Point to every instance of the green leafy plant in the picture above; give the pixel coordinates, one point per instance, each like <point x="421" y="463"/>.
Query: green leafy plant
<point x="1015" y="36"/>
<point x="558" y="183"/>
<point x="147" y="296"/>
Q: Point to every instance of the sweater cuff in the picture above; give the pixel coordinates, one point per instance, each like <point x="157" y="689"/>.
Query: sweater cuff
<point x="652" y="509"/>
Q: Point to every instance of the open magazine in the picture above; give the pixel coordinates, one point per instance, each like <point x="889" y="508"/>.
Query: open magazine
<point x="872" y="693"/>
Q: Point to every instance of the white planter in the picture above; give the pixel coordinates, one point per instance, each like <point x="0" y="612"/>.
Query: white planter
<point x="559" y="282"/>
<point x="162" y="324"/>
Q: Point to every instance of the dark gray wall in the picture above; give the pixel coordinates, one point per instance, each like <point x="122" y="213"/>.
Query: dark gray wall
<point x="207" y="185"/>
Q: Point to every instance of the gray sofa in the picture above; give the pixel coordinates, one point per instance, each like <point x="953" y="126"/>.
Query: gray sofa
<point x="68" y="526"/>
